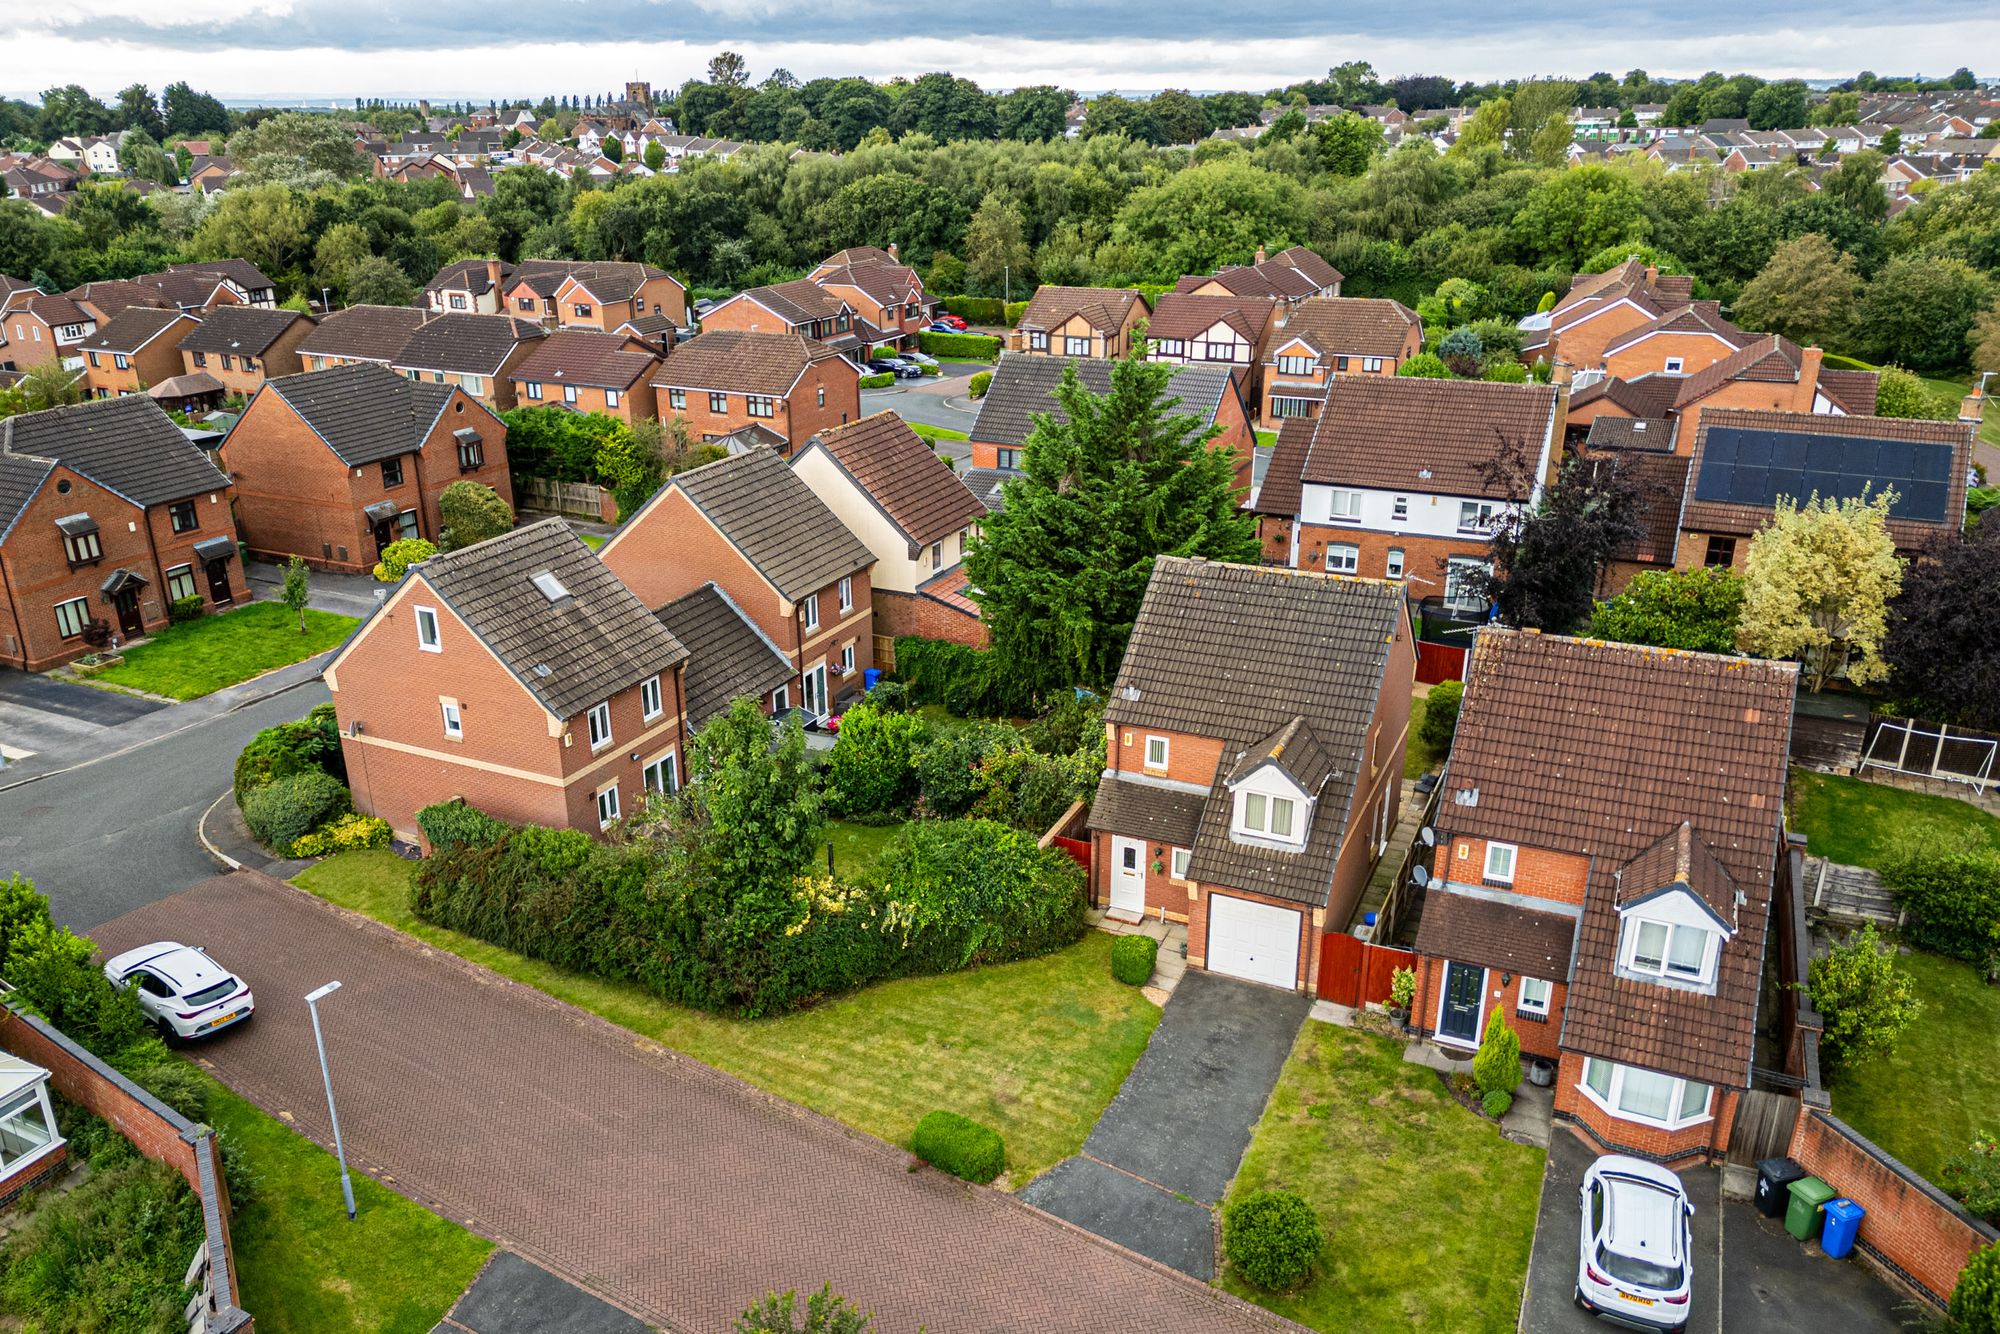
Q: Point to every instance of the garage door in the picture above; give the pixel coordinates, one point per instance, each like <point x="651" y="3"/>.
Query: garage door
<point x="1254" y="941"/>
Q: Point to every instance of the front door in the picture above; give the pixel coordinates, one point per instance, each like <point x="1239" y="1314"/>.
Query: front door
<point x="218" y="583"/>
<point x="385" y="533"/>
<point x="1128" y="876"/>
<point x="129" y="623"/>
<point x="1458" y="1016"/>
<point x="815" y="691"/>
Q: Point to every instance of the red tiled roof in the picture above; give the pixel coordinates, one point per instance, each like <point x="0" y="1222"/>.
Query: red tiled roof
<point x="1346" y="326"/>
<point x="585" y="356"/>
<point x="1431" y="436"/>
<point x="741" y="362"/>
<point x="917" y="489"/>
<point x="1184" y="316"/>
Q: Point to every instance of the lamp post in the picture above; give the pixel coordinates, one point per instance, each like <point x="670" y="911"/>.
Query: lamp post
<point x="313" y="999"/>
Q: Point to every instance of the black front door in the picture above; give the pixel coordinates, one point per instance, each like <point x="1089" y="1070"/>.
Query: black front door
<point x="1463" y="985"/>
<point x="218" y="583"/>
<point x="385" y="533"/>
<point x="129" y="624"/>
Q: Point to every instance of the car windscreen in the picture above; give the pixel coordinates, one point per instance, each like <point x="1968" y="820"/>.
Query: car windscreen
<point x="1639" y="1273"/>
<point x="210" y="995"/>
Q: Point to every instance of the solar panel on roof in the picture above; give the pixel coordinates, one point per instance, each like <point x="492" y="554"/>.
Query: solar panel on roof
<point x="1745" y="466"/>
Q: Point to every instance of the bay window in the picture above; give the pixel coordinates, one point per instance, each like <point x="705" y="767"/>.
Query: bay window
<point x="1645" y="1096"/>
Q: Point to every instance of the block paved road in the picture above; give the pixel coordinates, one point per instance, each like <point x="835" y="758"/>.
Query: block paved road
<point x="680" y="1193"/>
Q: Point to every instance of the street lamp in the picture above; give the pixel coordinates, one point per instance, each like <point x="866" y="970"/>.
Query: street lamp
<point x="312" y="1003"/>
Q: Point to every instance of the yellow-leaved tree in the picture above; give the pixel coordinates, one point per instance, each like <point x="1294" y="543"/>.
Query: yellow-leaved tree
<point x="1817" y="586"/>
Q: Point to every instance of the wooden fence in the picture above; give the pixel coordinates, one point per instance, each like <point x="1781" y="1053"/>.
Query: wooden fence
<point x="1395" y="903"/>
<point x="1353" y="972"/>
<point x="576" y="499"/>
<point x="1763" y="1128"/>
<point x="1439" y="662"/>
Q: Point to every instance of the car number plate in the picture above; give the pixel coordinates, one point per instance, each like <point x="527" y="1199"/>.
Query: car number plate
<point x="221" y="1019"/>
<point x="1636" y="1300"/>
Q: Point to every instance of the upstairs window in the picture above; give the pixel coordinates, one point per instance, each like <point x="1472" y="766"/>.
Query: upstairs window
<point x="1345" y="506"/>
<point x="118" y="359"/>
<point x="1721" y="553"/>
<point x="580" y="310"/>
<point x="1476" y="516"/>
<point x="1400" y="510"/>
<point x="1373" y="365"/>
<point x="1038" y="342"/>
<point x="649" y="698"/>
<point x="1295" y="365"/>
<point x="1668" y="949"/>
<point x="532" y="388"/>
<point x="1500" y="863"/>
<point x="183" y="516"/>
<point x="809" y="611"/>
<point x="760" y="405"/>
<point x="677" y="399"/>
<point x="1156" y="752"/>
<point x="84" y="548"/>
<point x="427" y="631"/>
<point x="471" y="454"/>
<point x="1170" y="347"/>
<point x="599" y="721"/>
<point x="847" y="592"/>
<point x="612" y="398"/>
<point x="718" y="403"/>
<point x="392" y="472"/>
<point x="1076" y="347"/>
<point x="1261" y="813"/>
<point x="569" y="393"/>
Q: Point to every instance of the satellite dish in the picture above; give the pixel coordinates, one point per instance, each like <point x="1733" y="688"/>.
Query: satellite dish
<point x="1420" y="877"/>
<point x="1429" y="836"/>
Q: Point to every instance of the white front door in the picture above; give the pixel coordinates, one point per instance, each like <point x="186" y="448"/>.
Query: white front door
<point x="815" y="691"/>
<point x="1254" y="941"/>
<point x="1128" y="876"/>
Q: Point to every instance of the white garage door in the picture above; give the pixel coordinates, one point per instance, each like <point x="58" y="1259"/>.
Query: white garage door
<point x="1254" y="941"/>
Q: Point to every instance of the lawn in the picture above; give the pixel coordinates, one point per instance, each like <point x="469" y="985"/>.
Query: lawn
<point x="200" y="657"/>
<point x="1034" y="1049"/>
<point x="930" y="432"/>
<point x="304" y="1269"/>
<point x="1418" y="758"/>
<point x="595" y="541"/>
<point x="856" y="846"/>
<point x="1267" y="437"/>
<point x="1428" y="1212"/>
<point x="1926" y="1099"/>
<point x="1858" y="823"/>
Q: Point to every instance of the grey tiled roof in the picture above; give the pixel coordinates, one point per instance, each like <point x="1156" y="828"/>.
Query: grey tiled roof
<point x="1023" y="384"/>
<point x="364" y="333"/>
<point x="127" y="445"/>
<point x="916" y="490"/>
<point x="131" y="329"/>
<point x="365" y="412"/>
<point x="1496" y="934"/>
<point x="988" y="484"/>
<point x="727" y="654"/>
<point x="1143" y="810"/>
<point x="19" y="480"/>
<point x="466" y="344"/>
<point x="595" y="642"/>
<point x="243" y="329"/>
<point x="773" y="518"/>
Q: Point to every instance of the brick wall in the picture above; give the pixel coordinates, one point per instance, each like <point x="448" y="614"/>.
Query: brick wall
<point x="1201" y="901"/>
<point x="1164" y="894"/>
<point x="898" y="614"/>
<point x="1423" y="557"/>
<point x="1708" y="1139"/>
<point x="293" y="497"/>
<point x="1538" y="1036"/>
<point x="1539" y="872"/>
<point x="158" y="360"/>
<point x="1696" y="352"/>
<point x="635" y="403"/>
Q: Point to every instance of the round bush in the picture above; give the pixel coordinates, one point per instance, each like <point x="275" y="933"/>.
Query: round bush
<point x="282" y="812"/>
<point x="1132" y="959"/>
<point x="1496" y="1103"/>
<point x="980" y="382"/>
<point x="1441" y="714"/>
<point x="960" y="1145"/>
<point x="1975" y="1301"/>
<point x="1272" y="1237"/>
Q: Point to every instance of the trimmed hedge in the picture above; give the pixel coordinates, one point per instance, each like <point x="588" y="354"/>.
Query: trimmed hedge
<point x="182" y="610"/>
<point x="310" y="744"/>
<point x="1272" y="1237"/>
<point x="872" y="768"/>
<point x="1441" y="714"/>
<point x="1952" y="895"/>
<point x="281" y="813"/>
<point x="966" y="680"/>
<point x="961" y="1146"/>
<point x="977" y="309"/>
<point x="1132" y="959"/>
<point x="980" y="382"/>
<point x="879" y="381"/>
<point x="983" y="346"/>
<point x="1013" y="311"/>
<point x="451" y="824"/>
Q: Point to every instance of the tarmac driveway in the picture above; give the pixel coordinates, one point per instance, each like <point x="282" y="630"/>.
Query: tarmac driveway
<point x="677" y="1192"/>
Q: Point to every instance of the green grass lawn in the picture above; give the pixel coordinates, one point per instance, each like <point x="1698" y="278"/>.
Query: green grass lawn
<point x="304" y="1269"/>
<point x="856" y="846"/>
<point x="1857" y="823"/>
<point x="1926" y="1099"/>
<point x="1035" y="1050"/>
<point x="201" y="657"/>
<point x="1428" y="1212"/>
<point x="1267" y="437"/>
<point x="594" y="541"/>
<point x="930" y="432"/>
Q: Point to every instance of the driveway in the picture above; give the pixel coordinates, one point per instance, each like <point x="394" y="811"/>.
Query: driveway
<point x="1165" y="1150"/>
<point x="678" y="1192"/>
<point x="934" y="401"/>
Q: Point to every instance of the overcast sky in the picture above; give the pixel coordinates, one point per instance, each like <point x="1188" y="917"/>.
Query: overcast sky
<point x="292" y="49"/>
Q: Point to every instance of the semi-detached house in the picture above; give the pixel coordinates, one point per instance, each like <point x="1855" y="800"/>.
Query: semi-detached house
<point x="476" y="353"/>
<point x="751" y="389"/>
<point x="588" y="371"/>
<point x="137" y="349"/>
<point x="361" y="333"/>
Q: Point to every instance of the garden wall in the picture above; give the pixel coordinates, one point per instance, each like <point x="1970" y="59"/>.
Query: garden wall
<point x="154" y="1129"/>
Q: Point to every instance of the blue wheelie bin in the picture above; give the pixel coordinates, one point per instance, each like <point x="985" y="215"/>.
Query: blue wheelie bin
<point x="1843" y="1221"/>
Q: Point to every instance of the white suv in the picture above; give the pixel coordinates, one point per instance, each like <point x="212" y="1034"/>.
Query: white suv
<point x="187" y="993"/>
<point x="1634" y="1266"/>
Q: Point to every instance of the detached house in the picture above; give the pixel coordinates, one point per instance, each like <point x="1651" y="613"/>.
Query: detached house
<point x="1769" y="373"/>
<point x="477" y="353"/>
<point x="752" y="527"/>
<point x="1321" y="338"/>
<point x="137" y="349"/>
<point x="757" y="389"/>
<point x="1290" y="275"/>
<point x="519" y="675"/>
<point x="37" y="328"/>
<point x="1254" y="759"/>
<point x="1601" y="307"/>
<point x="589" y="371"/>
<point x="801" y="307"/>
<point x="360" y="333"/>
<point x="903" y="500"/>
<point x="1608" y="845"/>
<point x="1079" y="322"/>
<point x="243" y="346"/>
<point x="1190" y="330"/>
<point x="334" y="465"/>
<point x="107" y="515"/>
<point x="1682" y="341"/>
<point x="885" y="294"/>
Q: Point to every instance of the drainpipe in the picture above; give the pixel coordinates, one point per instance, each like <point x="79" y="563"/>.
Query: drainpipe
<point x="14" y="611"/>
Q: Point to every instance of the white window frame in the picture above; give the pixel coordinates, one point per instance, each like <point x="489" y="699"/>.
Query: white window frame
<point x="1628" y="950"/>
<point x="1392" y="564"/>
<point x="597" y="722"/>
<point x="809" y="611"/>
<point x="1399" y="509"/>
<point x="1536" y="1005"/>
<point x="1177" y="862"/>
<point x="1477" y="516"/>
<point x="846" y="592"/>
<point x="1509" y="862"/>
<point x="454" y="719"/>
<point x="1372" y="364"/>
<point x="666" y="764"/>
<point x="611" y="398"/>
<point x="1165" y="748"/>
<point x="1343" y="505"/>
<point x="1342" y="558"/>
<point x="433" y="642"/>
<point x="846" y="659"/>
<point x="608" y="809"/>
<point x="1038" y="342"/>
<point x="1071" y="348"/>
<point x="180" y="582"/>
<point x="1267" y="804"/>
<point x="1611" y="1099"/>
<point x="781" y="699"/>
<point x="650" y="704"/>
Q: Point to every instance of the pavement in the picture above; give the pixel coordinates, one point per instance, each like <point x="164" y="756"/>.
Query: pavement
<point x="1165" y="1150"/>
<point x="937" y="400"/>
<point x="678" y="1193"/>
<point x="347" y="594"/>
<point x="515" y="1296"/>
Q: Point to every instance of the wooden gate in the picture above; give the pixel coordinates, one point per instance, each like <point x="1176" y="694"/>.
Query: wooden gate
<point x="1763" y="1129"/>
<point x="1378" y="971"/>
<point x="1353" y="972"/>
<point x="1439" y="662"/>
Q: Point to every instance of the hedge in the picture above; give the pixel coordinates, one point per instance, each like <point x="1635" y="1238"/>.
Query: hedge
<point x="312" y="743"/>
<point x="961" y="1146"/>
<point x="955" y="893"/>
<point x="182" y="610"/>
<point x="985" y="347"/>
<point x="1952" y="896"/>
<point x="1132" y="959"/>
<point x="346" y="834"/>
<point x="450" y="824"/>
<point x="879" y="381"/>
<point x="872" y="768"/>
<point x="977" y="309"/>
<point x="1013" y="312"/>
<point x="967" y="681"/>
<point x="980" y="382"/>
<point x="1272" y="1237"/>
<point x="283" y="812"/>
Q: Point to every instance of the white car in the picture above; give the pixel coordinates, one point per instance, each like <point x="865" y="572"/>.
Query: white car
<point x="1634" y="1269"/>
<point x="187" y="993"/>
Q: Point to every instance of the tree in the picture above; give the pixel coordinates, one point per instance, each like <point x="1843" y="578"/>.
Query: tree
<point x="1216" y="213"/>
<point x="1808" y="291"/>
<point x="1686" y="609"/>
<point x="269" y="225"/>
<point x="71" y="110"/>
<point x="944" y="107"/>
<point x="825" y="1313"/>
<point x="1901" y="393"/>
<point x="995" y="248"/>
<point x="1425" y="366"/>
<point x="1942" y="648"/>
<point x="1818" y="583"/>
<point x="341" y="247"/>
<point x="612" y="148"/>
<point x="1778" y="106"/>
<point x="1864" y="998"/>
<point x="138" y="111"/>
<point x="1119" y="480"/>
<point x="726" y="69"/>
<point x="1856" y="184"/>
<point x="1984" y="338"/>
<point x="1538" y="122"/>
<point x="297" y="148"/>
<point x="1353" y="83"/>
<point x="1180" y="116"/>
<point x="655" y="156"/>
<point x="1550" y="552"/>
<point x="1575" y="213"/>
<point x="1496" y="1066"/>
<point x="1349" y="144"/>
<point x="1920" y="309"/>
<point x="1039" y="113"/>
<point x="472" y="512"/>
<point x="298" y="589"/>
<point x="400" y="555"/>
<point x="1461" y="351"/>
<point x="191" y="113"/>
<point x="42" y="386"/>
<point x="756" y="820"/>
<point x="374" y="281"/>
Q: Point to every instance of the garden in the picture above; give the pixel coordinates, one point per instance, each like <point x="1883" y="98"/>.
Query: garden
<point x="192" y="658"/>
<point x="291" y="789"/>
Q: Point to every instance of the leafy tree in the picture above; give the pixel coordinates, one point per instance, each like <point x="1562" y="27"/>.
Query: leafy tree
<point x="1425" y="366"/>
<point x="872" y="768"/>
<point x="1808" y="291"/>
<point x="71" y="110"/>
<point x="191" y="113"/>
<point x="1208" y="215"/>
<point x="298" y="589"/>
<point x="42" y="386"/>
<point x="297" y="148"/>
<point x="1180" y="116"/>
<point x="995" y="246"/>
<point x="655" y="156"/>
<point x="1550" y="552"/>
<point x="269" y="225"/>
<point x="1538" y="121"/>
<point x="472" y="512"/>
<point x="1984" y="338"/>
<point x="1461" y="350"/>
<point x="340" y="248"/>
<point x="755" y="820"/>
<point x="400" y="555"/>
<point x="1856" y="184"/>
<point x="138" y="111"/>
<point x="612" y="148"/>
<point x="1866" y="1000"/>
<point x="375" y="281"/>
<point x="1124" y="479"/>
<point x="1109" y="114"/>
<point x="1685" y="609"/>
<point x="1818" y="583"/>
<point x="944" y="107"/>
<point x="726" y="69"/>
<point x="1352" y="83"/>
<point x="1778" y="106"/>
<point x="1943" y="651"/>
<point x="1901" y="393"/>
<point x="1441" y="708"/>
<point x="1035" y="114"/>
<point x="1577" y="212"/>
<point x="825" y="1313"/>
<point x="1349" y="144"/>
<point x="1920" y="309"/>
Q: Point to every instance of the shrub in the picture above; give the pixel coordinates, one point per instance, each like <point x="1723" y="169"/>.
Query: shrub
<point x="882" y="380"/>
<point x="108" y="1255"/>
<point x="981" y="347"/>
<point x="472" y="512"/>
<point x="1496" y="1068"/>
<point x="980" y="382"/>
<point x="1973" y="1178"/>
<point x="182" y="610"/>
<point x="968" y="682"/>
<point x="282" y="812"/>
<point x="961" y="1146"/>
<point x="178" y="1085"/>
<point x="977" y="309"/>
<point x="1690" y="609"/>
<point x="56" y="972"/>
<point x="400" y="555"/>
<point x="1013" y="311"/>
<point x="1864" y="998"/>
<point x="1441" y="714"/>
<point x="963" y="892"/>
<point x="872" y="768"/>
<point x="1402" y="987"/>
<point x="1132" y="959"/>
<point x="1462" y="351"/>
<point x="1075" y="723"/>
<point x="1496" y="1103"/>
<point x="1030" y="790"/>
<point x="1272" y="1237"/>
<point x="1953" y="897"/>
<point x="452" y="824"/>
<point x="825" y="1313"/>
<point x="1975" y="1300"/>
<point x="347" y="834"/>
<point x="310" y="744"/>
<point x="950" y="772"/>
<point x="1425" y="366"/>
<point x="1505" y="372"/>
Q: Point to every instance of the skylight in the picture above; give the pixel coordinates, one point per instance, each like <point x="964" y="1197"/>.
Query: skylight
<point x="550" y="586"/>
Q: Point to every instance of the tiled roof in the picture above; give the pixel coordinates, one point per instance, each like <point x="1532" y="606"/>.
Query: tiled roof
<point x="777" y="523"/>
<point x="1280" y="493"/>
<point x="1601" y="750"/>
<point x="1769" y="358"/>
<point x="987" y="484"/>
<point x="191" y="385"/>
<point x="585" y="356"/>
<point x="885" y="281"/>
<point x="1103" y="308"/>
<point x="1434" y="437"/>
<point x="365" y="412"/>
<point x="1697" y="317"/>
<point x="1628" y="279"/>
<point x="1662" y="480"/>
<point x="126" y="445"/>
<point x="1182" y="315"/>
<point x="1292" y="273"/>
<point x="131" y="329"/>
<point x="364" y="333"/>
<point x="915" y="488"/>
<point x="1495" y="933"/>
<point x="1854" y="391"/>
<point x="1647" y="396"/>
<point x="111" y="296"/>
<point x="952" y="587"/>
<point x="468" y="275"/>
<point x="239" y="271"/>
<point x="1347" y="326"/>
<point x="795" y="302"/>
<point x="570" y="652"/>
<point x="740" y="362"/>
<point x="1652" y="435"/>
<point x="1679" y="858"/>
<point x="467" y="344"/>
<point x="20" y="478"/>
<point x="1024" y="385"/>
<point x="614" y="280"/>
<point x="243" y="329"/>
<point x="1236" y="652"/>
<point x="1294" y="748"/>
<point x="727" y="654"/>
<point x="1143" y="810"/>
<point x="54" y="310"/>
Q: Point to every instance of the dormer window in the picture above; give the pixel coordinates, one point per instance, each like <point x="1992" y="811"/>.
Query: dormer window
<point x="1262" y="813"/>
<point x="1668" y="949"/>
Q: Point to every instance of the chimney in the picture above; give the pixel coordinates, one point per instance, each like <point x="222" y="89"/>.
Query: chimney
<point x="1561" y="373"/>
<point x="892" y="250"/>
<point x="1972" y="408"/>
<point x="1809" y="364"/>
<point x="1261" y="256"/>
<point x="1652" y="276"/>
<point x="493" y="280"/>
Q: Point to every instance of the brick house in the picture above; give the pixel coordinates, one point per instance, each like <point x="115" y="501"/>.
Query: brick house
<point x="107" y="513"/>
<point x="604" y="296"/>
<point x="801" y="307"/>
<point x="1290" y="275"/>
<point x="1682" y="341"/>
<point x="886" y="295"/>
<point x="1324" y="337"/>
<point x="1770" y="373"/>
<point x="908" y="505"/>
<point x="1390" y="479"/>
<point x="243" y="346"/>
<point x="361" y="333"/>
<point x="138" y="348"/>
<point x="476" y="353"/>
<point x="1607" y="848"/>
<point x="1079" y="322"/>
<point x="781" y="388"/>
<point x="103" y="301"/>
<point x="548" y="694"/>
<point x="37" y="328"/>
<point x="1191" y="330"/>
<point x="589" y="372"/>
<point x="728" y="655"/>
<point x="591" y="294"/>
<point x="752" y="527"/>
<point x="334" y="465"/>
<point x="1600" y="308"/>
<point x="1254" y="761"/>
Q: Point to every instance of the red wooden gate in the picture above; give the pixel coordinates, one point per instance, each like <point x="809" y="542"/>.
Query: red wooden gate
<point x="1381" y="962"/>
<point x="1439" y="662"/>
<point x="1078" y="850"/>
<point x="1353" y="972"/>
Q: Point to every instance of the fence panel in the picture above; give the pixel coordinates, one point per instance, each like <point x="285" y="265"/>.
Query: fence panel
<point x="1340" y="966"/>
<point x="1439" y="662"/>
<point x="1763" y="1129"/>
<point x="1378" y="972"/>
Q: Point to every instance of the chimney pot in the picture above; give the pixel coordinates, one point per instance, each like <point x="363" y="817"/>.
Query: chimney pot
<point x="1652" y="275"/>
<point x="892" y="251"/>
<point x="1261" y="256"/>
